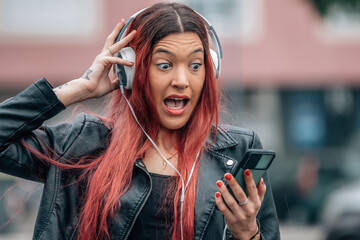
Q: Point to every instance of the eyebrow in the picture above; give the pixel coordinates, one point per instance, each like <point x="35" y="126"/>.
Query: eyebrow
<point x="161" y="50"/>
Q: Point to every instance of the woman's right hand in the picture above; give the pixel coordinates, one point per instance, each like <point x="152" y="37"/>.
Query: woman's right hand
<point x="96" y="81"/>
<point x="97" y="78"/>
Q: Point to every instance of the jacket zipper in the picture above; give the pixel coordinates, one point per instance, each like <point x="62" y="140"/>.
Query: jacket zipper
<point x="143" y="202"/>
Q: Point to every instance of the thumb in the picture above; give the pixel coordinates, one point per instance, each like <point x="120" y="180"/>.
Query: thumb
<point x="114" y="83"/>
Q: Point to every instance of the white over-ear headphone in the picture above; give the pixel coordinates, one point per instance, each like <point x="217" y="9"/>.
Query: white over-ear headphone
<point x="126" y="74"/>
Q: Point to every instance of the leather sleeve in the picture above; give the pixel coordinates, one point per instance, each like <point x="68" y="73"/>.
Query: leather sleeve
<point x="19" y="117"/>
<point x="267" y="214"/>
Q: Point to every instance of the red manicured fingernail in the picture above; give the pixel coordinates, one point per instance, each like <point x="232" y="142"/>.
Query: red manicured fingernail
<point x="132" y="63"/>
<point x="217" y="194"/>
<point x="262" y="181"/>
<point x="247" y="172"/>
<point x="219" y="183"/>
<point x="228" y="176"/>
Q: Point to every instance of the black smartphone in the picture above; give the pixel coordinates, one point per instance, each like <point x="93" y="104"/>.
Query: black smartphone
<point x="258" y="161"/>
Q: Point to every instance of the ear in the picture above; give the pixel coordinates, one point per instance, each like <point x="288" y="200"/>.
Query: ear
<point x="125" y="73"/>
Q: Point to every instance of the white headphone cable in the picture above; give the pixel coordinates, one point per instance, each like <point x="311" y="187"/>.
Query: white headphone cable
<point x="183" y="188"/>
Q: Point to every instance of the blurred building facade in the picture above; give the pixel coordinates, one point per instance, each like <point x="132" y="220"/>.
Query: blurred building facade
<point x="289" y="73"/>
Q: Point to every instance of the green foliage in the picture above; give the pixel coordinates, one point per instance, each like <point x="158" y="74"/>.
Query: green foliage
<point x="323" y="6"/>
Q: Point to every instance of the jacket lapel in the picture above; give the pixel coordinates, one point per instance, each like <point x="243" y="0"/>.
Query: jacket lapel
<point x="213" y="165"/>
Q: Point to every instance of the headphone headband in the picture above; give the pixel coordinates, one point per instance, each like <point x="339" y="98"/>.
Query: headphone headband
<point x="123" y="30"/>
<point x="215" y="39"/>
<point x="120" y="69"/>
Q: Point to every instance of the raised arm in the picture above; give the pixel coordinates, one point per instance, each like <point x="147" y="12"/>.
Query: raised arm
<point x="22" y="115"/>
<point x="96" y="81"/>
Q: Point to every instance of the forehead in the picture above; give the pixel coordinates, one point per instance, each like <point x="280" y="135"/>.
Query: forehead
<point x="179" y="43"/>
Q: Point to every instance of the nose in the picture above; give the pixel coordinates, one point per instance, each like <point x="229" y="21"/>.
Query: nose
<point x="180" y="79"/>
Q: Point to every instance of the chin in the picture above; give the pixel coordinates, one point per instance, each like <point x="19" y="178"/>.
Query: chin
<point x="173" y="126"/>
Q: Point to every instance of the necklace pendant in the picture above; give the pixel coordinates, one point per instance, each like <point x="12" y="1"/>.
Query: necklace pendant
<point x="164" y="165"/>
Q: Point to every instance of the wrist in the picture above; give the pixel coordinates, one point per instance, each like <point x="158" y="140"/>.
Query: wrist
<point x="254" y="236"/>
<point x="72" y="92"/>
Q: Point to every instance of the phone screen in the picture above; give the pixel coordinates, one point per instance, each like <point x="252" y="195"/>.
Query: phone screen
<point x="258" y="161"/>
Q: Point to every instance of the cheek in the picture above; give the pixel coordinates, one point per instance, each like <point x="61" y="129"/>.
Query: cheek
<point x="156" y="94"/>
<point x="200" y="85"/>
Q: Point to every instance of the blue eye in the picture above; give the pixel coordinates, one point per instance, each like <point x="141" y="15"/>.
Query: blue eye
<point x="196" y="66"/>
<point x="163" y="66"/>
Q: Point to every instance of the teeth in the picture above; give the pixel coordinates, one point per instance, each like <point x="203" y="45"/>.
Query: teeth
<point x="175" y="103"/>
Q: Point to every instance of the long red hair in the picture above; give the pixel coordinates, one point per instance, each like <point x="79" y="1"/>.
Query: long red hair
<point x="110" y="174"/>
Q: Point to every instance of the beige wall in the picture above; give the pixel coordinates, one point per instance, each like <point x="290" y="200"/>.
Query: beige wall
<point x="293" y="50"/>
<point x="296" y="50"/>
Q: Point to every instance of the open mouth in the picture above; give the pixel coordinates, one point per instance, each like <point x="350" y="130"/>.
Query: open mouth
<point x="175" y="103"/>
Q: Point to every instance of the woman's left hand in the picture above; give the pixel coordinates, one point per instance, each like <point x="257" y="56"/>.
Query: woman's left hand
<point x="240" y="213"/>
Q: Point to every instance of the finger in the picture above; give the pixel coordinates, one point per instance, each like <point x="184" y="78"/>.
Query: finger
<point x="235" y="187"/>
<point x="115" y="83"/>
<point x="119" y="45"/>
<point x="116" y="60"/>
<point x="111" y="38"/>
<point x="222" y="207"/>
<point x="250" y="185"/>
<point x="228" y="198"/>
<point x="261" y="189"/>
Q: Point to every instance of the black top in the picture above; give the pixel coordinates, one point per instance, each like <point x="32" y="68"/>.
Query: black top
<point x="155" y="219"/>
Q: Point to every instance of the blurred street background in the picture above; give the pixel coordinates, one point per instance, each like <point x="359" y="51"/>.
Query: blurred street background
<point x="291" y="72"/>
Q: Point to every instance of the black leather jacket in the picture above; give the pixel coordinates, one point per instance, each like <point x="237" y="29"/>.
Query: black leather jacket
<point x="58" y="212"/>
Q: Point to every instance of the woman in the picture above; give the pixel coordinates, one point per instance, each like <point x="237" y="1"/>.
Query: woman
<point x="172" y="188"/>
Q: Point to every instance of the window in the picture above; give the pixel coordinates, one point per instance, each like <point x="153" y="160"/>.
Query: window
<point x="232" y="18"/>
<point x="49" y="19"/>
<point x="342" y="23"/>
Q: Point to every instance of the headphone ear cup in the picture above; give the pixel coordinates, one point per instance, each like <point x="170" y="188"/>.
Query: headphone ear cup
<point x="214" y="58"/>
<point x="125" y="73"/>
